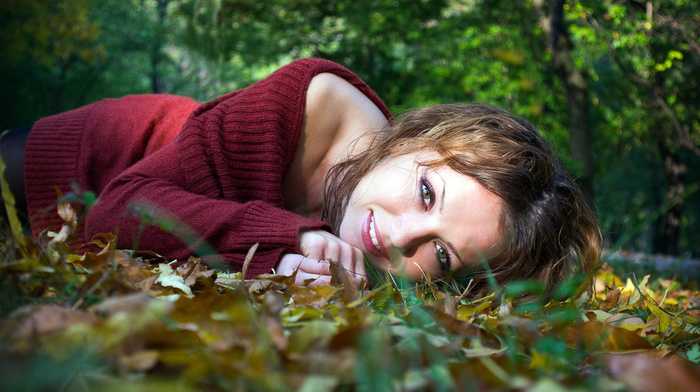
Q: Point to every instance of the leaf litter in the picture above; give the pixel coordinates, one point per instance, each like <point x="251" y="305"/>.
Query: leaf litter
<point x="101" y="318"/>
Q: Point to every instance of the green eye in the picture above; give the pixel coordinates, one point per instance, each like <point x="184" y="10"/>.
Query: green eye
<point x="426" y="192"/>
<point x="443" y="257"/>
<point x="427" y="195"/>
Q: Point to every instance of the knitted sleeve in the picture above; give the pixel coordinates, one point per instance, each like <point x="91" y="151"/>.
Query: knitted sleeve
<point x="216" y="190"/>
<point x="156" y="213"/>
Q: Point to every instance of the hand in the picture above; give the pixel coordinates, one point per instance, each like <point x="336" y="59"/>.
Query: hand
<point x="318" y="247"/>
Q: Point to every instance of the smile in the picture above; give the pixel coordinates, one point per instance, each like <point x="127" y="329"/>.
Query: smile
<point x="371" y="237"/>
<point x="373" y="234"/>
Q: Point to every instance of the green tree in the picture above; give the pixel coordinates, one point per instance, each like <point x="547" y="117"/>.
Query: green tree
<point x="375" y="38"/>
<point x="653" y="55"/>
<point x="45" y="45"/>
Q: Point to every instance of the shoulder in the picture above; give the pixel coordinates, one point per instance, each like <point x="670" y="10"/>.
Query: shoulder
<point x="333" y="103"/>
<point x="327" y="85"/>
<point x="328" y="98"/>
<point x="325" y="79"/>
<point x="337" y="116"/>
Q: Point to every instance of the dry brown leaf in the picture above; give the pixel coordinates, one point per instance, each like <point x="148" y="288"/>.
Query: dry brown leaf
<point x="341" y="277"/>
<point x="646" y="372"/>
<point x="70" y="218"/>
<point x="22" y="328"/>
<point x="439" y="310"/>
<point x="272" y="306"/>
<point x="597" y="336"/>
<point x="126" y="303"/>
<point x="138" y="362"/>
<point x="611" y="298"/>
<point x="626" y="321"/>
<point x="196" y="275"/>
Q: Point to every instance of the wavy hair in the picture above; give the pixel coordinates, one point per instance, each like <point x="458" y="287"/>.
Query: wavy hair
<point x="549" y="229"/>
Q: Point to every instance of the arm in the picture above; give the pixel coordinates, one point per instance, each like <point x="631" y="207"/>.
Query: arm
<point x="221" y="179"/>
<point x="200" y="224"/>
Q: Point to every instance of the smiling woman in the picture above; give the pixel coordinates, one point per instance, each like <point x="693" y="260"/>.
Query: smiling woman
<point x="305" y="153"/>
<point x="501" y="197"/>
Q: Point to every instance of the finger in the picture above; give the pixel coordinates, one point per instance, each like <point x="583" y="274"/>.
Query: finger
<point x="310" y="245"/>
<point x="347" y="259"/>
<point x="317" y="279"/>
<point x="314" y="266"/>
<point x="332" y="252"/>
<point x="353" y="260"/>
<point x="321" y="246"/>
<point x="289" y="263"/>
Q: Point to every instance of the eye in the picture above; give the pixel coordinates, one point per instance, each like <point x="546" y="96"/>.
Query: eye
<point x="443" y="257"/>
<point x="426" y="192"/>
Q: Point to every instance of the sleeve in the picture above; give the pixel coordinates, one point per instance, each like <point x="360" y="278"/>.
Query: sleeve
<point x="156" y="213"/>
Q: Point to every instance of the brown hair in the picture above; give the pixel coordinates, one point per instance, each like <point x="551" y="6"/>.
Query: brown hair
<point x="550" y="230"/>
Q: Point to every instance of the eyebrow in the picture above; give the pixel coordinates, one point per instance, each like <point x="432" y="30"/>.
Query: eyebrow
<point x="442" y="196"/>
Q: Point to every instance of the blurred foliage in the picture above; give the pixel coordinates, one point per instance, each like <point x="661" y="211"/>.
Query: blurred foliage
<point x="120" y="320"/>
<point x="641" y="61"/>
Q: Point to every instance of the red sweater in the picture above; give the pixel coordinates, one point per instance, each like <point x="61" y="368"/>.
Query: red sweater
<point x="215" y="172"/>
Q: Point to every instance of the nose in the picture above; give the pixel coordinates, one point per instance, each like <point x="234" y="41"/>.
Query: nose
<point x="408" y="233"/>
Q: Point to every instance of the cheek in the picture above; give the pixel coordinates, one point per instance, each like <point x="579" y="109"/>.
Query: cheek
<point x="423" y="261"/>
<point x="350" y="220"/>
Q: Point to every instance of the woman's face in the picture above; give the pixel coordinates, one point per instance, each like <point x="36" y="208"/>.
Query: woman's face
<point x="406" y="218"/>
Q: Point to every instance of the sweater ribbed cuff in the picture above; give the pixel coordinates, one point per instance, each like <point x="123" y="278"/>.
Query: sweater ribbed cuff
<point x="59" y="136"/>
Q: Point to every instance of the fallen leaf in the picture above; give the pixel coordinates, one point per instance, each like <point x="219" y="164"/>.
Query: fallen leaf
<point x="168" y="278"/>
<point x="626" y="321"/>
<point x="126" y="303"/>
<point x="597" y="336"/>
<point x="22" y="328"/>
<point x="341" y="277"/>
<point x="646" y="372"/>
<point x="138" y="362"/>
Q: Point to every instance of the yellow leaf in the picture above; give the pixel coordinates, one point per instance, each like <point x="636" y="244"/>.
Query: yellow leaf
<point x="600" y="315"/>
<point x="465" y="312"/>
<point x="632" y="295"/>
<point x="9" y="200"/>
<point x="297" y="314"/>
<point x="626" y="321"/>
<point x="168" y="278"/>
<point x="666" y="321"/>
<point x="326" y="291"/>
<point x="483" y="307"/>
<point x="670" y="301"/>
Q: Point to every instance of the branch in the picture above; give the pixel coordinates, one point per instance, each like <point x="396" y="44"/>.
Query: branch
<point x="616" y="57"/>
<point x="687" y="38"/>
<point x="683" y="135"/>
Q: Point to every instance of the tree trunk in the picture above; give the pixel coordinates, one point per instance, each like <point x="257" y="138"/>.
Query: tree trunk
<point x="156" y="85"/>
<point x="577" y="97"/>
<point x="668" y="232"/>
<point x="579" y="128"/>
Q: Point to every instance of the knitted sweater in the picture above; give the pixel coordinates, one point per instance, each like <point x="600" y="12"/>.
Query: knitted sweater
<point x="216" y="188"/>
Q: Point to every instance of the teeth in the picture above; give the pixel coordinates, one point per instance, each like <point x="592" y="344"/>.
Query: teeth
<point x="373" y="234"/>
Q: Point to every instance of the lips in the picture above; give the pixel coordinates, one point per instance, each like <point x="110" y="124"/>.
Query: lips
<point x="371" y="238"/>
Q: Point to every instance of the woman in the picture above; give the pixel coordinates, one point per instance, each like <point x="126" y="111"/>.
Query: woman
<point x="307" y="152"/>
